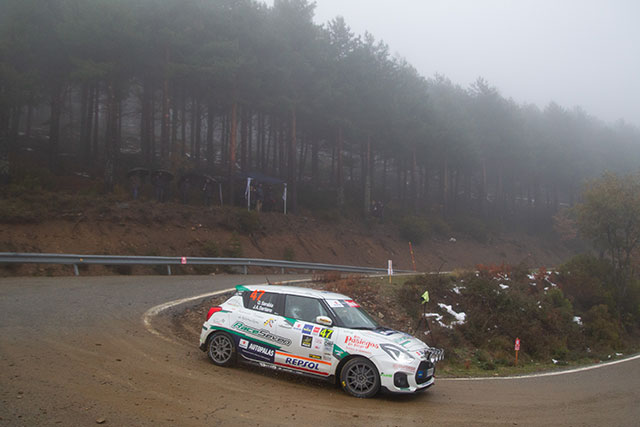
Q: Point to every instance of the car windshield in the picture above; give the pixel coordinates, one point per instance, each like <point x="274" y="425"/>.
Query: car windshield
<point x="351" y="315"/>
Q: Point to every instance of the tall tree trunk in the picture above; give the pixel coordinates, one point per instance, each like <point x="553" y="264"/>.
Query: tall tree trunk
<point x="315" y="148"/>
<point x="183" y="125"/>
<point x="164" y="123"/>
<point x="383" y="180"/>
<point x="173" y="112"/>
<point x="210" y="122"/>
<point x="88" y="124"/>
<point x="340" y="172"/>
<point x="198" y="132"/>
<point x="96" y="123"/>
<point x="367" y="177"/>
<point x="110" y="139"/>
<point x="243" y="139"/>
<point x="232" y="150"/>
<point x="54" y="126"/>
<point x="303" y="158"/>
<point x="27" y="126"/>
<point x="414" y="181"/>
<point x="291" y="175"/>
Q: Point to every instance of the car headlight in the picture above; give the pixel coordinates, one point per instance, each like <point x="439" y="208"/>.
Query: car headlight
<point x="396" y="353"/>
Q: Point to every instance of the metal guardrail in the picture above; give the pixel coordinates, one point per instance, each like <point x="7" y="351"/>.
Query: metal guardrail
<point x="76" y="260"/>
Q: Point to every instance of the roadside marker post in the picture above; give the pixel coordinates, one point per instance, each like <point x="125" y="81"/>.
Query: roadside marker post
<point x="390" y="270"/>
<point x="517" y="348"/>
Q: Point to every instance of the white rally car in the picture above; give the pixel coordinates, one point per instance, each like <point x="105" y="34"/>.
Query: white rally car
<point x="316" y="333"/>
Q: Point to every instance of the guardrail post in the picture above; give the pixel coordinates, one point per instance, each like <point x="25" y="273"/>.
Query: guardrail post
<point x="244" y="270"/>
<point x="75" y="270"/>
<point x="169" y="269"/>
<point x="281" y="270"/>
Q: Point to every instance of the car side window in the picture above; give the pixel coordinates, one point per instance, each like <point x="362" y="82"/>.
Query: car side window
<point x="265" y="302"/>
<point x="304" y="308"/>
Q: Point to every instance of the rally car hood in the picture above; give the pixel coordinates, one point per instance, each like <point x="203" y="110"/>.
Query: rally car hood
<point x="410" y="344"/>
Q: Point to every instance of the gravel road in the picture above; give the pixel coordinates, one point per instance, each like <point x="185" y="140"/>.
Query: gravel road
<point x="75" y="351"/>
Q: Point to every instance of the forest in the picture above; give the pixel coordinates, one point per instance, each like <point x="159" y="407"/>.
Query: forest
<point x="230" y="87"/>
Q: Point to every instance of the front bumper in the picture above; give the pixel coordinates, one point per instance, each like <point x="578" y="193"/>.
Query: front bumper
<point x="407" y="378"/>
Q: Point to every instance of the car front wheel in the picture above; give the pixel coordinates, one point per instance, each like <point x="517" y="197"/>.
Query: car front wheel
<point x="221" y="349"/>
<point x="359" y="377"/>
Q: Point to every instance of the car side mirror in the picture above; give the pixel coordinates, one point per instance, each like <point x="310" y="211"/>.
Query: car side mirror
<point x="324" y="320"/>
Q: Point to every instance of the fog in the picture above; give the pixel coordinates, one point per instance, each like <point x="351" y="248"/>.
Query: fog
<point x="574" y="52"/>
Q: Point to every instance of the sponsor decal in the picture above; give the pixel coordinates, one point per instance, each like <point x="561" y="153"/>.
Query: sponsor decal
<point x="266" y="307"/>
<point x="352" y="303"/>
<point x="334" y="303"/>
<point x="311" y="365"/>
<point x="306" y="341"/>
<point x="405" y="368"/>
<point x="243" y="343"/>
<point x="218" y="320"/>
<point x="382" y="374"/>
<point x="359" y="343"/>
<point x="318" y="343"/>
<point x="328" y="345"/>
<point x="316" y="330"/>
<point x="402" y="339"/>
<point x="307" y="328"/>
<point x="293" y="361"/>
<point x="269" y="322"/>
<point x="339" y="353"/>
<point x="315" y="356"/>
<point x="297" y="326"/>
<point x="262" y="333"/>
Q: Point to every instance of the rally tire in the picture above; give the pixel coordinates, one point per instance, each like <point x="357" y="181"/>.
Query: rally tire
<point x="221" y="349"/>
<point x="360" y="378"/>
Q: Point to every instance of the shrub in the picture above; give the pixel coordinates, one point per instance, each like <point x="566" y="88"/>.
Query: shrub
<point x="208" y="249"/>
<point x="585" y="279"/>
<point x="472" y="227"/>
<point x="233" y="248"/>
<point x="600" y="328"/>
<point x="414" y="229"/>
<point x="288" y="254"/>
<point x="249" y="222"/>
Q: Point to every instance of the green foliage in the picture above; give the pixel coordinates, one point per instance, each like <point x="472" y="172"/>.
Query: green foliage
<point x="416" y="229"/>
<point x="472" y="227"/>
<point x="249" y="222"/>
<point x="609" y="215"/>
<point x="289" y="254"/>
<point x="601" y="329"/>
<point x="587" y="281"/>
<point x="233" y="248"/>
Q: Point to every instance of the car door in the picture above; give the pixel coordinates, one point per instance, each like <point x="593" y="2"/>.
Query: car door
<point x="311" y="343"/>
<point x="257" y="337"/>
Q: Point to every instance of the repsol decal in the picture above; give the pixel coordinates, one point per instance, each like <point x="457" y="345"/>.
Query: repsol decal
<point x="311" y="365"/>
<point x="300" y="363"/>
<point x="262" y="333"/>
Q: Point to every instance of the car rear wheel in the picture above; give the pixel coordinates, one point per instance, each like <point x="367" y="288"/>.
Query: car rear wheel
<point x="221" y="349"/>
<point x="359" y="377"/>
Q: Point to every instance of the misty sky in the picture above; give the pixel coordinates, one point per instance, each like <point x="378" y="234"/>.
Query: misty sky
<point x="574" y="52"/>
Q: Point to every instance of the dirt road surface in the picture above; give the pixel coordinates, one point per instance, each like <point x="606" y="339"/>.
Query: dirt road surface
<point x="75" y="351"/>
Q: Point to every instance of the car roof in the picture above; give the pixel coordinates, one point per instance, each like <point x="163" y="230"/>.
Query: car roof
<point x="294" y="290"/>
